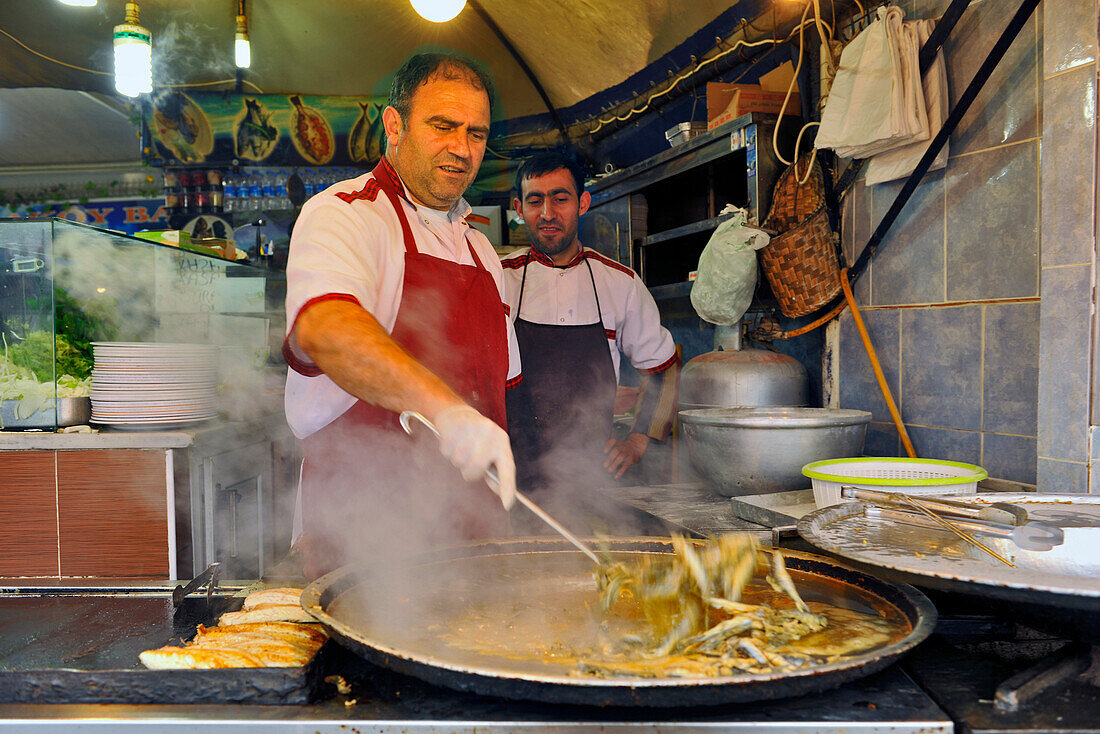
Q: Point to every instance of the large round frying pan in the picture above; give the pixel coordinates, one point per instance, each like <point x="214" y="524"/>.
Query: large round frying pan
<point x="411" y="620"/>
<point x="1056" y="590"/>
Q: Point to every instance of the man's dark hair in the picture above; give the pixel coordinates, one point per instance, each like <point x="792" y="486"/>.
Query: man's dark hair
<point x="419" y="68"/>
<point x="549" y="161"/>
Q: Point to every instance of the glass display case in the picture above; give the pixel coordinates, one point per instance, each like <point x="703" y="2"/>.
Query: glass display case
<point x="65" y="287"/>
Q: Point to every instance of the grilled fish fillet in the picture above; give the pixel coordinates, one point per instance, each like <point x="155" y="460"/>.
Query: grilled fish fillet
<point x="267" y="613"/>
<point x="287" y="631"/>
<point x="273" y="596"/>
<point x="172" y="658"/>
<point x="268" y="652"/>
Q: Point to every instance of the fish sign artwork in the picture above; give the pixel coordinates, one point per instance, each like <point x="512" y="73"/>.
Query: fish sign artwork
<point x="214" y="128"/>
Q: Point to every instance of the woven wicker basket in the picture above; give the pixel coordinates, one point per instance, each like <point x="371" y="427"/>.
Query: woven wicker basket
<point x="801" y="262"/>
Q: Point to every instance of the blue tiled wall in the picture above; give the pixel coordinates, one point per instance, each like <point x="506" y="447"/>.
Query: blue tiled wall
<point x="952" y="298"/>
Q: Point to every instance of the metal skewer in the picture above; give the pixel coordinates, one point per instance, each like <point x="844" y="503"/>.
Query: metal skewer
<point x="494" y="483"/>
<point x="905" y="499"/>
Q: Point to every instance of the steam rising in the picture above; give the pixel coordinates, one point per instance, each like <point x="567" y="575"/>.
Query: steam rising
<point x="154" y="293"/>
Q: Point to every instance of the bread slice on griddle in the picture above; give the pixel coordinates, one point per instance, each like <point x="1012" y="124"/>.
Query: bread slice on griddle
<point x="267" y="613"/>
<point x="283" y="595"/>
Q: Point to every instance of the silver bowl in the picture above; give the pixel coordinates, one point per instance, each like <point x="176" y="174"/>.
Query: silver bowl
<point x="762" y="450"/>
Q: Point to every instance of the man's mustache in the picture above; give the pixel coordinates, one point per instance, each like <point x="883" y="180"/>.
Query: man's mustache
<point x="453" y="159"/>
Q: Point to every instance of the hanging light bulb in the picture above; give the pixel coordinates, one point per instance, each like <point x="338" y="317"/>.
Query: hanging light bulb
<point x="242" y="51"/>
<point x="133" y="55"/>
<point x="438" y="11"/>
<point x="79" y="3"/>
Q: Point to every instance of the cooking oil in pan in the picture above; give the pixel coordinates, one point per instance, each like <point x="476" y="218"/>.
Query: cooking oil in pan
<point x="540" y="613"/>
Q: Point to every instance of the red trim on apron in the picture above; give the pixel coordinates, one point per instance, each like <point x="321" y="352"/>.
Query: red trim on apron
<point x="366" y="487"/>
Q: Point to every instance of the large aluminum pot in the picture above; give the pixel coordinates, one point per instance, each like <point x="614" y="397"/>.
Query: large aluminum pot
<point x="762" y="450"/>
<point x="733" y="376"/>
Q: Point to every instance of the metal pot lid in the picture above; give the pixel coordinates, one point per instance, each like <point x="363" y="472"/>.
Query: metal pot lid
<point x="1068" y="575"/>
<point x="404" y="630"/>
<point x="775" y="417"/>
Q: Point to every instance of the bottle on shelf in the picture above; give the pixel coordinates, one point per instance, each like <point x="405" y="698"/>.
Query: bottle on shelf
<point x="269" y="199"/>
<point x="255" y="190"/>
<point x="216" y="188"/>
<point x="229" y="191"/>
<point x="171" y="192"/>
<point x="281" y="195"/>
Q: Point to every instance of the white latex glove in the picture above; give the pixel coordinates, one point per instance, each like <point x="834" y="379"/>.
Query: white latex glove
<point x="473" y="443"/>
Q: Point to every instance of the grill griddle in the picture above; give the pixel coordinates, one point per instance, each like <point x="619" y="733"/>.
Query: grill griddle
<point x="83" y="648"/>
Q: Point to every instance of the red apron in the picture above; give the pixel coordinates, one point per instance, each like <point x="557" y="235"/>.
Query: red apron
<point x="368" y="490"/>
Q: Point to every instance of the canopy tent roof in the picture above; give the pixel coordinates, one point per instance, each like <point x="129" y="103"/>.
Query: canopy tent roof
<point x="585" y="54"/>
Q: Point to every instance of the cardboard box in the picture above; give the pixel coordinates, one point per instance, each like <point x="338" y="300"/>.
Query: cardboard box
<point x="727" y="102"/>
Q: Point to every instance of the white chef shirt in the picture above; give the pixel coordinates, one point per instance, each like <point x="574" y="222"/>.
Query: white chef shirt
<point x="562" y="296"/>
<point x="347" y="244"/>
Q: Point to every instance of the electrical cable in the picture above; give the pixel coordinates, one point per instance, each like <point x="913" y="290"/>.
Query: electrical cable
<point x="53" y="60"/>
<point x="210" y="84"/>
<point x="672" y="85"/>
<point x="111" y="73"/>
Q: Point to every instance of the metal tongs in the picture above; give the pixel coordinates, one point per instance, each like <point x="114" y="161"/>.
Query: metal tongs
<point x="494" y="483"/>
<point x="208" y="578"/>
<point x="999" y="519"/>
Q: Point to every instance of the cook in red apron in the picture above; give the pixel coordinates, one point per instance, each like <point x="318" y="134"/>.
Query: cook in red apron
<point x="562" y="415"/>
<point x="368" y="490"/>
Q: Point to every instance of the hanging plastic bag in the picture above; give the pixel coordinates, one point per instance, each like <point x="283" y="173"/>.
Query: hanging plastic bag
<point x="875" y="103"/>
<point x="900" y="162"/>
<point x="722" y="291"/>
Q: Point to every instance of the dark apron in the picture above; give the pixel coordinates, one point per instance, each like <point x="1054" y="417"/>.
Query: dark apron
<point x="371" y="493"/>
<point x="562" y="415"/>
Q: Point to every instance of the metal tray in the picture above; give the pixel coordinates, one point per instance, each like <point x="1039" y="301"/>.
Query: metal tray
<point x="83" y="648"/>
<point x="67" y="412"/>
<point x="1058" y="590"/>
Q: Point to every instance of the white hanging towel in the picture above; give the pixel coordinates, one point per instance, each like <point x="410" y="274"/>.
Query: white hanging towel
<point x="900" y="162"/>
<point x="876" y="102"/>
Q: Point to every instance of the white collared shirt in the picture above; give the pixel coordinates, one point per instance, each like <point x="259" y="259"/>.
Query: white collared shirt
<point x="347" y="242"/>
<point x="563" y="296"/>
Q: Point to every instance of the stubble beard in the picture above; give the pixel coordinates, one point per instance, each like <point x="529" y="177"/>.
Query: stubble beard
<point x="555" y="247"/>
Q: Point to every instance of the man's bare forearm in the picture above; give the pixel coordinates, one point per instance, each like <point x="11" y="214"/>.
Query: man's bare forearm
<point x="352" y="348"/>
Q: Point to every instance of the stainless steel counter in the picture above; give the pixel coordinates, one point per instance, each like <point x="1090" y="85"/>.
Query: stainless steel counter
<point x="216" y="432"/>
<point x="383" y="703"/>
<point x="688" y="507"/>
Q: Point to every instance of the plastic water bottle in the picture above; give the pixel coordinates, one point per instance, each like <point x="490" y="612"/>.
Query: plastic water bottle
<point x="269" y="200"/>
<point x="281" y="194"/>
<point x="229" y="192"/>
<point x="255" y="191"/>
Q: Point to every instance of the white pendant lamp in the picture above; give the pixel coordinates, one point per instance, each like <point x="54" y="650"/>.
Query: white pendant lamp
<point x="242" y="50"/>
<point x="438" y="11"/>
<point x="133" y="55"/>
<point x="79" y="3"/>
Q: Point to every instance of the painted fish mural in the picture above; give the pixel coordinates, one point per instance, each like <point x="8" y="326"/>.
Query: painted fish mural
<point x="181" y="126"/>
<point x="365" y="140"/>
<point x="255" y="135"/>
<point x="311" y="133"/>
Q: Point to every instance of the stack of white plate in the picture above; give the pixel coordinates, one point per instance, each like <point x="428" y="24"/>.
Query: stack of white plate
<point x="150" y="385"/>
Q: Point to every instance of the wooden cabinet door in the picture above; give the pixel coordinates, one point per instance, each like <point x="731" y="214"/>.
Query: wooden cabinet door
<point x="28" y="514"/>
<point x="113" y="512"/>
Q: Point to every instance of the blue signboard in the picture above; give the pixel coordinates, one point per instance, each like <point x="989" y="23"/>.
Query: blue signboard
<point x="121" y="215"/>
